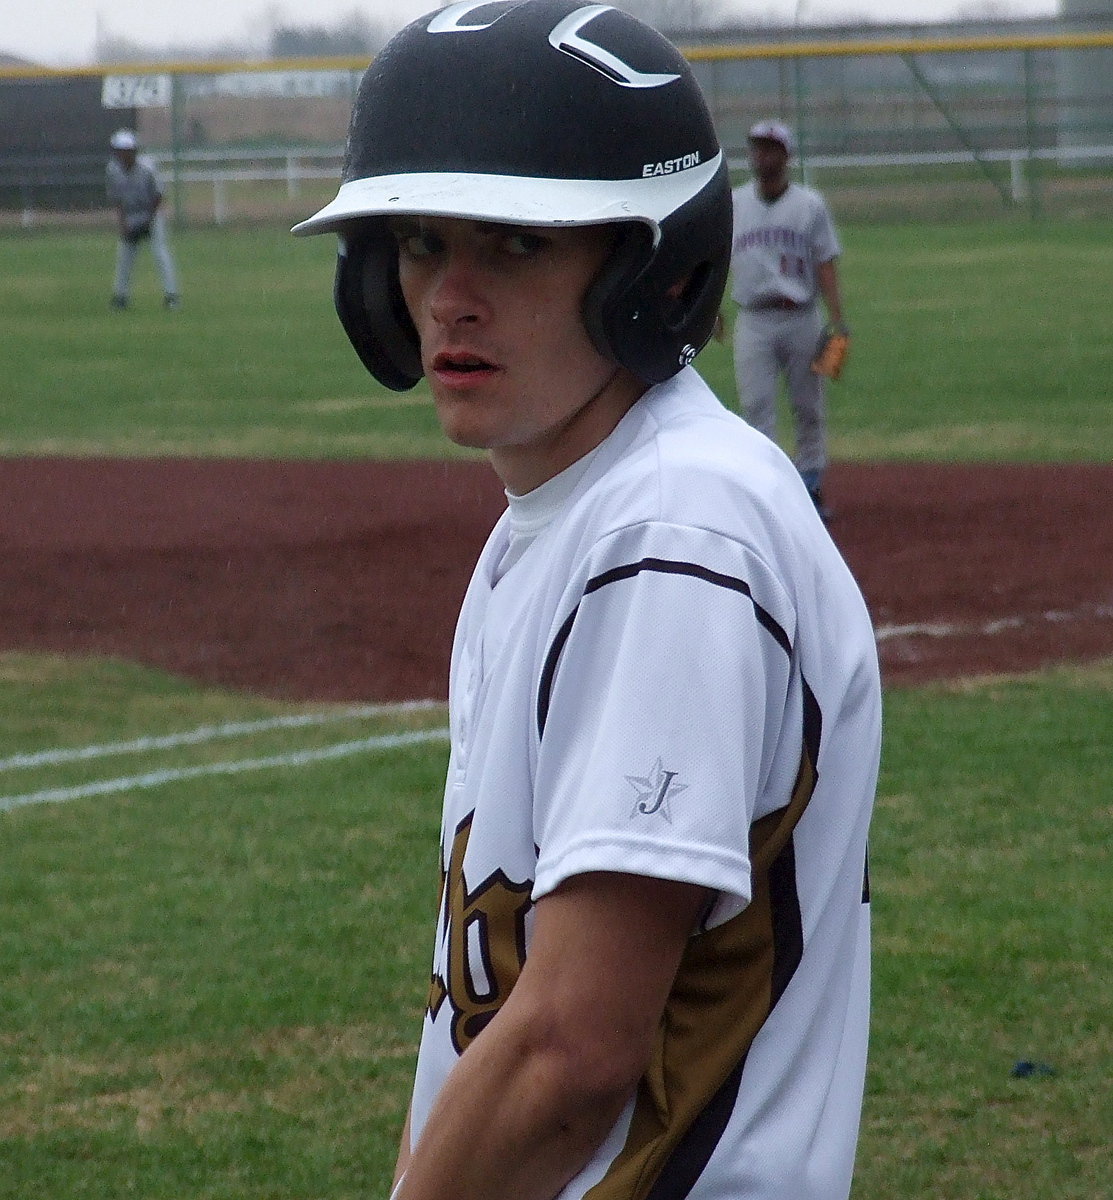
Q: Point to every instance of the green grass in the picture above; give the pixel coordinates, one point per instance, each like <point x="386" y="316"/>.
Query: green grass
<point x="985" y="343"/>
<point x="991" y="869"/>
<point x="213" y="986"/>
<point x="982" y="341"/>
<point x="972" y="342"/>
<point x="255" y="363"/>
<point x="213" y="981"/>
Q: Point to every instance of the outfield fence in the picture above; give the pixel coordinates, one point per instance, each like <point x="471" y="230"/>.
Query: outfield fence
<point x="971" y="125"/>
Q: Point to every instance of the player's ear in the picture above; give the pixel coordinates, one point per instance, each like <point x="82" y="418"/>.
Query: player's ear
<point x="370" y="305"/>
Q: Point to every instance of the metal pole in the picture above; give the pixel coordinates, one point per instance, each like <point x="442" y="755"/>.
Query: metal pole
<point x="176" y="148"/>
<point x="801" y="140"/>
<point x="798" y="80"/>
<point x="1031" y="168"/>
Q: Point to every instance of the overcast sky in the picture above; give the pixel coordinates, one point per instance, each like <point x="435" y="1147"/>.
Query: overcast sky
<point x="64" y="32"/>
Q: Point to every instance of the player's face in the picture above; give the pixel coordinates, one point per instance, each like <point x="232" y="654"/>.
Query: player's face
<point x="768" y="160"/>
<point x="503" y="345"/>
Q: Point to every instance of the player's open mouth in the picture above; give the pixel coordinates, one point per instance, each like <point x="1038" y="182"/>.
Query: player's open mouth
<point x="461" y="362"/>
<point x="461" y="367"/>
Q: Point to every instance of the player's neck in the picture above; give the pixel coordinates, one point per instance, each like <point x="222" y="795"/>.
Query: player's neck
<point x="527" y="464"/>
<point x="772" y="191"/>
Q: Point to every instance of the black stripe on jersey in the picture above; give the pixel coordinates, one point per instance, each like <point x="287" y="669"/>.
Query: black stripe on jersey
<point x="788" y="925"/>
<point x="662" y="566"/>
<point x="813" y="729"/>
<point x="688" y="1160"/>
<point x="693" y="1151"/>
<point x="686" y="1163"/>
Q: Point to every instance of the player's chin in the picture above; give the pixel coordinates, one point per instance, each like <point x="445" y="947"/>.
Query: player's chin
<point x="471" y="415"/>
<point x="465" y="422"/>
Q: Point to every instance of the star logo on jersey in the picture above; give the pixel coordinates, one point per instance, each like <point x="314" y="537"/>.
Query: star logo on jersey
<point x="655" y="791"/>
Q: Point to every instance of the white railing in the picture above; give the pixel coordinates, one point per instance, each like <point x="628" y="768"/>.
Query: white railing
<point x="293" y="166"/>
<point x="1017" y="159"/>
<point x="220" y="169"/>
<point x="216" y="167"/>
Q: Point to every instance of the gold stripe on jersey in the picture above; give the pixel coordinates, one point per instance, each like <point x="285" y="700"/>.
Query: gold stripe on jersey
<point x="729" y="980"/>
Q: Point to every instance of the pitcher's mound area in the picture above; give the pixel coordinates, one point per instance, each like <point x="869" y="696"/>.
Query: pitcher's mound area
<point x="341" y="581"/>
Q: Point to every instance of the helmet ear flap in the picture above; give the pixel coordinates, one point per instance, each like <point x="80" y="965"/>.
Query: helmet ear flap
<point x="370" y="305"/>
<point x="652" y="307"/>
<point x="608" y="302"/>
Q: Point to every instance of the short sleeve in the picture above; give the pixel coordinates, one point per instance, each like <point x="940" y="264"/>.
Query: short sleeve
<point x="660" y="708"/>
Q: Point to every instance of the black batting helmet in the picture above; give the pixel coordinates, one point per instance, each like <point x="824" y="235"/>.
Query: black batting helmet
<point x="541" y="113"/>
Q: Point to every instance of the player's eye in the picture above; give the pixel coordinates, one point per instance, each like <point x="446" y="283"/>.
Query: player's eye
<point x="521" y="243"/>
<point x="415" y="242"/>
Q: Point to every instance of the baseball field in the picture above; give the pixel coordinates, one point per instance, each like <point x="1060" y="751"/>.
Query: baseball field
<point x="230" y="569"/>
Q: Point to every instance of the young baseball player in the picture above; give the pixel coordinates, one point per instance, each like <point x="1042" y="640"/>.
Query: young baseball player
<point x="650" y="971"/>
<point x="784" y="259"/>
<point x="134" y="188"/>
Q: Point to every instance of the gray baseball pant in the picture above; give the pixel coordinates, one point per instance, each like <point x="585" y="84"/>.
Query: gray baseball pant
<point x="772" y="342"/>
<point x="160" y="250"/>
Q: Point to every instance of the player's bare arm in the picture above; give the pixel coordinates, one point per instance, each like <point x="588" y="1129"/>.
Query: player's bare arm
<point x="534" y="1096"/>
<point x="827" y="280"/>
<point x="403" y="1160"/>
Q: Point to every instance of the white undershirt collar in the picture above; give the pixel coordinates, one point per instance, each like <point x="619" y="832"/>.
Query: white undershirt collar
<point x="531" y="513"/>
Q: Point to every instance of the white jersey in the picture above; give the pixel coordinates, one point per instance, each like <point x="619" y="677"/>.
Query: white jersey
<point x="675" y="675"/>
<point x="136" y="191"/>
<point x="777" y="246"/>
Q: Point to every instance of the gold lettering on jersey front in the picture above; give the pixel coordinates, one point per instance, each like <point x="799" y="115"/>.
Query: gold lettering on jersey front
<point x="482" y="943"/>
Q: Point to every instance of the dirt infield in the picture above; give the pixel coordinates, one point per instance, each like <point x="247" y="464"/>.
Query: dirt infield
<point x="340" y="581"/>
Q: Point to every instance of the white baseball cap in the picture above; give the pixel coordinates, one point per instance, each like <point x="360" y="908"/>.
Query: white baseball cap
<point x="123" y="139"/>
<point x="775" y="131"/>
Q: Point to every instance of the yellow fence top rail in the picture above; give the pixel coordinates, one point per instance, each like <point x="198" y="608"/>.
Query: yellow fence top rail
<point x="696" y="53"/>
<point x="943" y="45"/>
<point x="222" y="66"/>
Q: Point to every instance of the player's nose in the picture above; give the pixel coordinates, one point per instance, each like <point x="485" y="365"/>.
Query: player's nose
<point x="457" y="292"/>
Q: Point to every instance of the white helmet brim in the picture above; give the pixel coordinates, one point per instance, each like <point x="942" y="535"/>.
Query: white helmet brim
<point x="515" y="199"/>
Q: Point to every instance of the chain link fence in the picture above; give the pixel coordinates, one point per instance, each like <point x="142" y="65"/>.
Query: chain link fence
<point x="942" y="129"/>
<point x="967" y="126"/>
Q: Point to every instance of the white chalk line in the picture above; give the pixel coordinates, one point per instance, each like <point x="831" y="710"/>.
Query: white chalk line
<point x="152" y="779"/>
<point x="947" y="629"/>
<point x="210" y="733"/>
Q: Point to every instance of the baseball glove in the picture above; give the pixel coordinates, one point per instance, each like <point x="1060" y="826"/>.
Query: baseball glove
<point x="137" y="229"/>
<point x="834" y="348"/>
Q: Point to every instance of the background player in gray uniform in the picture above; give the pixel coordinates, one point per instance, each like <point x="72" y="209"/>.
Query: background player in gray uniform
<point x="650" y="972"/>
<point x="134" y="187"/>
<point x="783" y="259"/>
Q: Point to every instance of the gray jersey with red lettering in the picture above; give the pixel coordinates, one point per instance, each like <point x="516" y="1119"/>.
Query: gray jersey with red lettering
<point x="778" y="245"/>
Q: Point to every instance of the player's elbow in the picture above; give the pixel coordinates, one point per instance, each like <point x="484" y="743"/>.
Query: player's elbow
<point x="596" y="1063"/>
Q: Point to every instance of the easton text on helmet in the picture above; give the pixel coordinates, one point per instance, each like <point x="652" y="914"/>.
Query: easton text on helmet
<point x="671" y="165"/>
